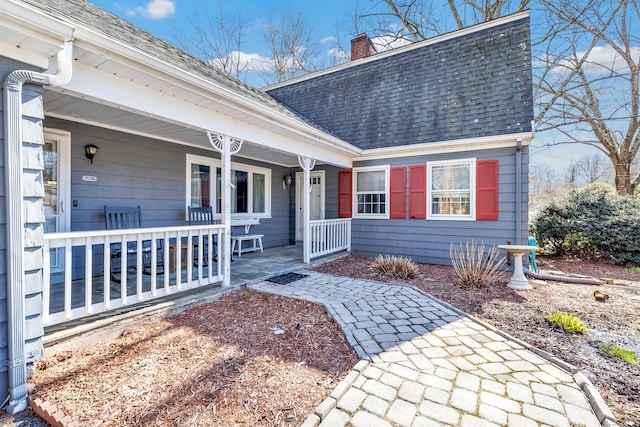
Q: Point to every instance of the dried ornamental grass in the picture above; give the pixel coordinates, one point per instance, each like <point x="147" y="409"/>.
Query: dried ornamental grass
<point x="395" y="267"/>
<point x="473" y="268"/>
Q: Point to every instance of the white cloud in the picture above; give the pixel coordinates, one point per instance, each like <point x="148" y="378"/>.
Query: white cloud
<point x="155" y="9"/>
<point x="601" y="60"/>
<point x="336" y="52"/>
<point x="248" y="61"/>
<point x="387" y="42"/>
<point x="328" y="39"/>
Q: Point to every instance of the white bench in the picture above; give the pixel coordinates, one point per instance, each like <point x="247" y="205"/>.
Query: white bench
<point x="237" y="239"/>
<point x="236" y="243"/>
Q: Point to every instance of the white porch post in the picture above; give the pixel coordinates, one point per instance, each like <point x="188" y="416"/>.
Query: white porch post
<point x="307" y="165"/>
<point x="226" y="147"/>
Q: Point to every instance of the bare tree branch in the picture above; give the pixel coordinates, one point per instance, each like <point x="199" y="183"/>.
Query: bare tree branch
<point x="218" y="40"/>
<point x="587" y="87"/>
<point x="289" y="42"/>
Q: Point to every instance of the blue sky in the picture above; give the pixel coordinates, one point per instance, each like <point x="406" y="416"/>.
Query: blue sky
<point x="327" y="18"/>
<point x="164" y="17"/>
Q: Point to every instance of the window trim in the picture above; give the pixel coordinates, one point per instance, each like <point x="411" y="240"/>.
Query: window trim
<point x="216" y="163"/>
<point x="472" y="190"/>
<point x="354" y="186"/>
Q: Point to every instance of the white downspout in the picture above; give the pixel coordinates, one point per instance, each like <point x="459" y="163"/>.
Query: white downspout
<point x="12" y="86"/>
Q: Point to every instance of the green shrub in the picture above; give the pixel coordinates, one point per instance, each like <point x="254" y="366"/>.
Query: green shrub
<point x="472" y="266"/>
<point x="598" y="186"/>
<point x="568" y="322"/>
<point x="625" y="355"/>
<point x="399" y="268"/>
<point x="632" y="270"/>
<point x="593" y="224"/>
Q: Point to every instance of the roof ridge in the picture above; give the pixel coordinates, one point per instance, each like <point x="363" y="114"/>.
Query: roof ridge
<point x="462" y="32"/>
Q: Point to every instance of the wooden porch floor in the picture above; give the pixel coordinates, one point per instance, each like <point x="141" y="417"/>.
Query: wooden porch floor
<point x="250" y="268"/>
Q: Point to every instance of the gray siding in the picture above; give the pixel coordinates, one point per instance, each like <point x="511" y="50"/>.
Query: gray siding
<point x="33" y="193"/>
<point x="136" y="171"/>
<point x="428" y="241"/>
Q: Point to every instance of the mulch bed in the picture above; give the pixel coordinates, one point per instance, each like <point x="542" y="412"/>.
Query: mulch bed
<point x="263" y="360"/>
<point x="248" y="359"/>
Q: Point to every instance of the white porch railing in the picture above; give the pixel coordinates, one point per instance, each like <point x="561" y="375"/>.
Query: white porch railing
<point x="164" y="255"/>
<point x="329" y="235"/>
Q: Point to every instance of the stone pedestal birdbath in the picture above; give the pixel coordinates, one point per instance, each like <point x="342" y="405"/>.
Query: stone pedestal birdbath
<point x="518" y="280"/>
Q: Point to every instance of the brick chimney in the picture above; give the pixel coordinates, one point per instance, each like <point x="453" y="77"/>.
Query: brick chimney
<point x="361" y="47"/>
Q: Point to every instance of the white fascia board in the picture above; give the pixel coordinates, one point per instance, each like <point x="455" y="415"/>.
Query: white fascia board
<point x="37" y="59"/>
<point x="182" y="78"/>
<point x="437" y="39"/>
<point x="33" y="24"/>
<point x="88" y="82"/>
<point x="453" y="146"/>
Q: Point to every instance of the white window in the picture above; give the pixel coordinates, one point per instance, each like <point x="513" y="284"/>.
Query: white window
<point x="451" y="189"/>
<point x="250" y="191"/>
<point x="371" y="192"/>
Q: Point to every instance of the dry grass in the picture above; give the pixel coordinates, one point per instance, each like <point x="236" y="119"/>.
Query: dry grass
<point x="472" y="266"/>
<point x="394" y="267"/>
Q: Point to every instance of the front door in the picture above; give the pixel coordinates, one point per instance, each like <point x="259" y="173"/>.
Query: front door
<point x="55" y="177"/>
<point x="316" y="180"/>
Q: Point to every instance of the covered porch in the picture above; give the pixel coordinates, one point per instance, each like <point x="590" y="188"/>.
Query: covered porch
<point x="175" y="144"/>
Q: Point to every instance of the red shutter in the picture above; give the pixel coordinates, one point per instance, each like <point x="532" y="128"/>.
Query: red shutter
<point x="344" y="194"/>
<point x="487" y="189"/>
<point x="398" y="190"/>
<point x="418" y="191"/>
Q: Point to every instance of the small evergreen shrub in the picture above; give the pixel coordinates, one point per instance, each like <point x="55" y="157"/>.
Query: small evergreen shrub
<point x="472" y="266"/>
<point x="393" y="267"/>
<point x="569" y="322"/>
<point x="632" y="270"/>
<point x="625" y="355"/>
<point x="594" y="224"/>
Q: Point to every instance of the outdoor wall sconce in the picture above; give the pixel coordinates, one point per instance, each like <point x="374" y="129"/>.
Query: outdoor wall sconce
<point x="90" y="151"/>
<point x="286" y="181"/>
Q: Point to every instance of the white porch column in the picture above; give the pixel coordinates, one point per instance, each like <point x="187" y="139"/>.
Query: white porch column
<point x="307" y="165"/>
<point x="226" y="146"/>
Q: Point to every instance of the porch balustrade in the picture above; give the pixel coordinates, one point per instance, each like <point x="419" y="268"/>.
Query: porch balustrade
<point x="329" y="236"/>
<point x="82" y="280"/>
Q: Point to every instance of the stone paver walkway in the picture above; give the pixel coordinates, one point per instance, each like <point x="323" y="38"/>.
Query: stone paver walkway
<point x="428" y="364"/>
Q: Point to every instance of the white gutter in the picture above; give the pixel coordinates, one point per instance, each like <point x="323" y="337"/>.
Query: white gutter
<point x="12" y="86"/>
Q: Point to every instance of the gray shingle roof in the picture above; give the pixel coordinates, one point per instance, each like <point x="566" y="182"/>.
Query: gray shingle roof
<point x="474" y="85"/>
<point x="86" y="14"/>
